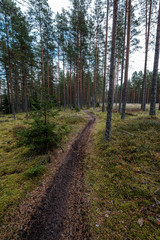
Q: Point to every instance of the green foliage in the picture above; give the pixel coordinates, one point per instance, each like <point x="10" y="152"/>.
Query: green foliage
<point x="34" y="172"/>
<point x="42" y="135"/>
<point x="77" y="109"/>
<point x="97" y="105"/>
<point x="5" y="104"/>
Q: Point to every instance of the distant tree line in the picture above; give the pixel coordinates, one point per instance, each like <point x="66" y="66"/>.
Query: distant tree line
<point x="70" y="54"/>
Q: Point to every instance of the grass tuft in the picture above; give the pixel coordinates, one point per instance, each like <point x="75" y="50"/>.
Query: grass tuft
<point x="123" y="178"/>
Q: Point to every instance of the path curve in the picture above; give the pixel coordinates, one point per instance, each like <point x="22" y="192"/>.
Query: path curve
<point x="61" y="214"/>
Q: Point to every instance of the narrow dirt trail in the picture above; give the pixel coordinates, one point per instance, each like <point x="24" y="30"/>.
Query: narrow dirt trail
<point x="62" y="209"/>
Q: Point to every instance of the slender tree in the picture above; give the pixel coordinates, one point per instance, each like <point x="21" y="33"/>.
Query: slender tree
<point x="105" y="58"/>
<point x="147" y="35"/>
<point x="155" y="68"/>
<point x="112" y="73"/>
<point x="124" y="97"/>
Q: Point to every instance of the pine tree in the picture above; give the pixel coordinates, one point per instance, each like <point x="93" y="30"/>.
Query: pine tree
<point x="124" y="96"/>
<point x="112" y="72"/>
<point x="155" y="69"/>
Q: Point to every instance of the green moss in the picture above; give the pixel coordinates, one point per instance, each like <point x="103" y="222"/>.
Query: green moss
<point x="21" y="170"/>
<point x="123" y="177"/>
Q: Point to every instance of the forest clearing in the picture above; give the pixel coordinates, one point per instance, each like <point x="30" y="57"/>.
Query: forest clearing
<point x="79" y="120"/>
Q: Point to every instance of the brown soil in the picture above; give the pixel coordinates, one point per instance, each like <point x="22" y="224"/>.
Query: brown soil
<point x="62" y="211"/>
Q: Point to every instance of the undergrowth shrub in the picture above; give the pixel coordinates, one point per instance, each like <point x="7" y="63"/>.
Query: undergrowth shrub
<point x="77" y="109"/>
<point x="34" y="172"/>
<point x="42" y="134"/>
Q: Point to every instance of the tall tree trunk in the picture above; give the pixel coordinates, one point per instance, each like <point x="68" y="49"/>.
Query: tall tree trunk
<point x="70" y="84"/>
<point x="78" y="102"/>
<point x="124" y="97"/>
<point x="80" y="90"/>
<point x="105" y="58"/>
<point x="64" y="84"/>
<point x="95" y="76"/>
<point x="52" y="64"/>
<point x="144" y="85"/>
<point x="59" y="88"/>
<point x="10" y="73"/>
<point x="8" y="90"/>
<point x="48" y="85"/>
<point x="67" y="90"/>
<point x="0" y="93"/>
<point x="75" y="85"/>
<point x="84" y="88"/>
<point x="16" y="88"/>
<point x="123" y="53"/>
<point x="116" y="95"/>
<point x="24" y="89"/>
<point x="43" y="79"/>
<point x="112" y="71"/>
<point x="88" y="91"/>
<point x="155" y="69"/>
<point x="15" y="77"/>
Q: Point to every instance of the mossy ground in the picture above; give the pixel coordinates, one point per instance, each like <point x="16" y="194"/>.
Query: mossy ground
<point x="123" y="178"/>
<point x="20" y="169"/>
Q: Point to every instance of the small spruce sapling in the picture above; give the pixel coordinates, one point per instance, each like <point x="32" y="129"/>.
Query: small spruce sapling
<point x="43" y="134"/>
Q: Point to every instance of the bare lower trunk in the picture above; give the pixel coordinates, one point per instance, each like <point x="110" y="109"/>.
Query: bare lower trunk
<point x="64" y="84"/>
<point x="88" y="91"/>
<point x="112" y="72"/>
<point x="10" y="74"/>
<point x="144" y="85"/>
<point x="95" y="77"/>
<point x="116" y="95"/>
<point x="75" y="85"/>
<point x="81" y="100"/>
<point x="67" y="91"/>
<point x="105" y="60"/>
<point x="124" y="97"/>
<point x="70" y="78"/>
<point x="59" y="92"/>
<point x="155" y="69"/>
<point x="24" y="90"/>
<point x="123" y="53"/>
<point x="16" y="89"/>
<point x="42" y="58"/>
<point x="48" y="71"/>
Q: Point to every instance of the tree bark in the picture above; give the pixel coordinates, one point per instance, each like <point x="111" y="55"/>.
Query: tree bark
<point x="48" y="85"/>
<point x="75" y="85"/>
<point x="80" y="73"/>
<point x="116" y="95"/>
<point x="105" y="60"/>
<point x="59" y="92"/>
<point x="64" y="84"/>
<point x="10" y="73"/>
<point x="144" y="85"/>
<point x="70" y="83"/>
<point x="155" y="69"/>
<point x="112" y="71"/>
<point x="43" y="79"/>
<point x="124" y="97"/>
<point x="95" y="76"/>
<point x="123" y="53"/>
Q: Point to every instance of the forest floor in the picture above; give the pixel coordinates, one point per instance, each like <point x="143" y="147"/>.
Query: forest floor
<point x="91" y="190"/>
<point x="123" y="177"/>
<point x="24" y="175"/>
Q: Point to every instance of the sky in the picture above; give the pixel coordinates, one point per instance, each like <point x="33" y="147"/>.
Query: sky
<point x="136" y="58"/>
